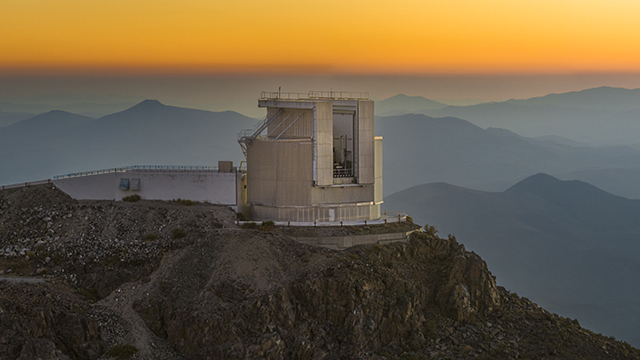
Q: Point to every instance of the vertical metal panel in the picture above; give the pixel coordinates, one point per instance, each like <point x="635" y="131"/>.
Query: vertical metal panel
<point x="124" y="184"/>
<point x="280" y="172"/>
<point x="365" y="142"/>
<point x="324" y="141"/>
<point x="378" y="193"/>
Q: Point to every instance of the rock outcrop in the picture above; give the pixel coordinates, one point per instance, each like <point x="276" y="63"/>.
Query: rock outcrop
<point x="287" y="300"/>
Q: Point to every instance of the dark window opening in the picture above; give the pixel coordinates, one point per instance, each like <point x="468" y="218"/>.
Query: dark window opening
<point x="343" y="164"/>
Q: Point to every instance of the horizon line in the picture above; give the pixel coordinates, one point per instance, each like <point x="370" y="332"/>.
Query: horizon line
<point x="283" y="70"/>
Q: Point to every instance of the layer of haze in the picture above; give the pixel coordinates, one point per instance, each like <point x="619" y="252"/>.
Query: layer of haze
<point x="364" y="37"/>
<point x="240" y="92"/>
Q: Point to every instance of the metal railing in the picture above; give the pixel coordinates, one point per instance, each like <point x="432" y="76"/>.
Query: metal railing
<point x="26" y="184"/>
<point x="341" y="173"/>
<point x="337" y="95"/>
<point x="140" y="167"/>
<point x="401" y="216"/>
<point x="245" y="136"/>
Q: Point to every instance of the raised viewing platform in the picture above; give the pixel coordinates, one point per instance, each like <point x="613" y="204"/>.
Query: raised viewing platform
<point x="314" y="95"/>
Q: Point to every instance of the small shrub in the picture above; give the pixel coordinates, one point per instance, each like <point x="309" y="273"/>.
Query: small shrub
<point x="268" y="223"/>
<point x="178" y="233"/>
<point x="31" y="254"/>
<point x="185" y="202"/>
<point x="241" y="217"/>
<point x="452" y="238"/>
<point x="57" y="258"/>
<point x="430" y="230"/>
<point x="249" y="225"/>
<point x="132" y="198"/>
<point x="151" y="237"/>
<point x="409" y="219"/>
<point x="122" y="352"/>
<point x="18" y="264"/>
<point x="218" y="225"/>
<point x="42" y="255"/>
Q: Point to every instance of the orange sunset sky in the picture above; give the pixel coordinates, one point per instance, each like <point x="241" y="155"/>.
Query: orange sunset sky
<point x="354" y="36"/>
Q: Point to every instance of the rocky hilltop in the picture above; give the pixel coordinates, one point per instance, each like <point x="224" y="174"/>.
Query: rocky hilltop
<point x="175" y="280"/>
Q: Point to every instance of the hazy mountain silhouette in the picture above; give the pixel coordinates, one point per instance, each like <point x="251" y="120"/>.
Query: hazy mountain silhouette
<point x="610" y="180"/>
<point x="52" y="123"/>
<point x="570" y="246"/>
<point x="147" y="133"/>
<point x="601" y="98"/>
<point x="403" y="104"/>
<point x="599" y="116"/>
<point x="421" y="149"/>
<point x="58" y="99"/>
<point x="7" y="118"/>
<point x="82" y="104"/>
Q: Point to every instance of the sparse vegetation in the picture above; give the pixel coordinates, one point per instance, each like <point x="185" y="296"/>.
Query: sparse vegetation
<point x="241" y="217"/>
<point x="178" y="233"/>
<point x="430" y="230"/>
<point x="151" y="237"/>
<point x="249" y="225"/>
<point x="185" y="202"/>
<point x="268" y="224"/>
<point x="132" y="198"/>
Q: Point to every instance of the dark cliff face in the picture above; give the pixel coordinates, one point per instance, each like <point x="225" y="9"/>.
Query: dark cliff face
<point x="219" y="292"/>
<point x="348" y="304"/>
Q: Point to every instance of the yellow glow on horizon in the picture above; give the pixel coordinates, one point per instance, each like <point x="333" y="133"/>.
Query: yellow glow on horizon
<point x="403" y="36"/>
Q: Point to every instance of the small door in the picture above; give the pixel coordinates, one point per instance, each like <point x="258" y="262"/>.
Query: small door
<point x="332" y="215"/>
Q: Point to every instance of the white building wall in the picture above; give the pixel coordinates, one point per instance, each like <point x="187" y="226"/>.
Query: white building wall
<point x="91" y="187"/>
<point x="212" y="187"/>
<point x="216" y="188"/>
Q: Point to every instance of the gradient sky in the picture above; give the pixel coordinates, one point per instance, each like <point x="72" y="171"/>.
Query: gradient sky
<point x="330" y="36"/>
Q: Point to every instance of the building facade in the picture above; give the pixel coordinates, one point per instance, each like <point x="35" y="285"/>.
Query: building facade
<point x="314" y="157"/>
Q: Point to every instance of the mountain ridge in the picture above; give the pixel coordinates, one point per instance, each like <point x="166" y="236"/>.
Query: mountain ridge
<point x="600" y="116"/>
<point x="425" y="149"/>
<point x="147" y="133"/>
<point x="560" y="242"/>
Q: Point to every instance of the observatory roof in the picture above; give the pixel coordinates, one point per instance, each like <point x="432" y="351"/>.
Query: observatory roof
<point x="313" y="96"/>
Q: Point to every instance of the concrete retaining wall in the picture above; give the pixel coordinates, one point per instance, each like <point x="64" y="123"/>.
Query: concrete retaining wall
<point x="343" y="242"/>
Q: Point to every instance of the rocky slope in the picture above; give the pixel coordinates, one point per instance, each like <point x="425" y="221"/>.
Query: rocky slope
<point x="183" y="282"/>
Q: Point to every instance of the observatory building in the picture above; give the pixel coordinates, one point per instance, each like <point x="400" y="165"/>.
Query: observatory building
<point x="314" y="157"/>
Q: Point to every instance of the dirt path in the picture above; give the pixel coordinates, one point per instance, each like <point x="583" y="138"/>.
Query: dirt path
<point x="120" y="305"/>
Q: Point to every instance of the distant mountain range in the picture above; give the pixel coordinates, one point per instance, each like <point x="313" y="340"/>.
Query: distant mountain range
<point x="402" y="104"/>
<point x="8" y="117"/>
<point x="83" y="104"/>
<point x="568" y="245"/>
<point x="59" y="142"/>
<point x="599" y="116"/>
<point x="417" y="148"/>
<point x="420" y="149"/>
